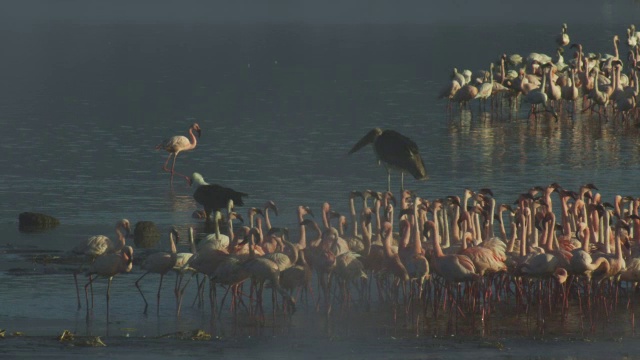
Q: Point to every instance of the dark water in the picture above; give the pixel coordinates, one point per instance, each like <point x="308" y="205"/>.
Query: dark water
<point x="84" y="100"/>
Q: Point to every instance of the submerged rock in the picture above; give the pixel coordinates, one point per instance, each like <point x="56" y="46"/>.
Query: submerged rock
<point x="33" y="222"/>
<point x="146" y="234"/>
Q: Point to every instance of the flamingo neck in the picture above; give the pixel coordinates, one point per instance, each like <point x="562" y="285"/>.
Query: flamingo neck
<point x="366" y="238"/>
<point x="192" y="139"/>
<point x="445" y="230"/>
<point x="325" y="217"/>
<point x="172" y="243"/>
<point x="121" y="239"/>
<point x="455" y="225"/>
<point x="267" y="220"/>
<point x="352" y="208"/>
<point x="436" y="235"/>
<point x="302" y="243"/>
<point x="417" y="245"/>
<point x="191" y="241"/>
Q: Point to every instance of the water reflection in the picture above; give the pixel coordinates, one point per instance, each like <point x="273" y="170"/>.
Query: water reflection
<point x="494" y="146"/>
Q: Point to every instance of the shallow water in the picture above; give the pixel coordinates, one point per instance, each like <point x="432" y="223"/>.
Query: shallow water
<point x="84" y="102"/>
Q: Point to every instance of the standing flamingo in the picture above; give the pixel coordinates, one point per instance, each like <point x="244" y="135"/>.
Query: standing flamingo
<point x="159" y="263"/>
<point x="175" y="144"/>
<point x="98" y="245"/>
<point x="261" y="269"/>
<point x="562" y="39"/>
<point x="109" y="265"/>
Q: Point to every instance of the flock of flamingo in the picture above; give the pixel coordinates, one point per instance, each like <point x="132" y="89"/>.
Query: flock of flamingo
<point x="549" y="84"/>
<point x="464" y="253"/>
<point x="459" y="253"/>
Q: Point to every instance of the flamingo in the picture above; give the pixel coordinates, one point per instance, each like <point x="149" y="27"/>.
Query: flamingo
<point x="109" y="265"/>
<point x="348" y="270"/>
<point x="563" y="38"/>
<point x="181" y="265"/>
<point x="539" y="97"/>
<point x="451" y="267"/>
<point x="269" y="205"/>
<point x="298" y="276"/>
<point x="261" y="270"/>
<point x="98" y="245"/>
<point x="599" y="97"/>
<point x="322" y="259"/>
<point x="486" y="89"/>
<point x="159" y="263"/>
<point x="616" y="263"/>
<point x="581" y="263"/>
<point x="416" y="264"/>
<point x="570" y="91"/>
<point x="205" y="261"/>
<point x="354" y="240"/>
<point x="394" y="151"/>
<point x="449" y="91"/>
<point x="175" y="144"/>
<point x="392" y="262"/>
<point x="465" y="94"/>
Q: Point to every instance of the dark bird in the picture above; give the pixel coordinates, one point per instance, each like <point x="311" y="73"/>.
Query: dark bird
<point x="214" y="197"/>
<point x="394" y="151"/>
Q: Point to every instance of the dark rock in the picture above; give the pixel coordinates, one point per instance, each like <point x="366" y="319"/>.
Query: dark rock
<point x="33" y="222"/>
<point x="146" y="234"/>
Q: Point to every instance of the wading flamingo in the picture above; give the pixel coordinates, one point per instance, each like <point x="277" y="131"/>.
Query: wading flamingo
<point x="175" y="144"/>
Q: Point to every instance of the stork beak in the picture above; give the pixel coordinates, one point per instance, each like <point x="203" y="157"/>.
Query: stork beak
<point x="366" y="140"/>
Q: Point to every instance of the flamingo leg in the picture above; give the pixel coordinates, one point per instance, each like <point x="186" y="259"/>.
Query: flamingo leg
<point x="86" y="293"/>
<point x="164" y="167"/>
<point x="181" y="294"/>
<point x="159" y="288"/>
<point x="108" y="296"/>
<point x="75" y="279"/>
<point x="141" y="293"/>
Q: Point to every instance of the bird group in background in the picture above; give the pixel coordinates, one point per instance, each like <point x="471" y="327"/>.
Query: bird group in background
<point x="599" y="81"/>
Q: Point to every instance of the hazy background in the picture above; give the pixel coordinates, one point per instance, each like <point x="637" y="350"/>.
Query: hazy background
<point x="494" y="12"/>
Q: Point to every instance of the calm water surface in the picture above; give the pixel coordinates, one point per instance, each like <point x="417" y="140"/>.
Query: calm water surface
<point x="82" y="106"/>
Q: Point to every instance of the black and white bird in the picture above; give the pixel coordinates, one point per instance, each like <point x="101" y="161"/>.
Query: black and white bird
<point x="214" y="197"/>
<point x="394" y="151"/>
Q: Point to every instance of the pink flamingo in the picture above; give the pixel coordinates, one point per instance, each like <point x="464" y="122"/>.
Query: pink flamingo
<point x="175" y="144"/>
<point x="98" y="245"/>
<point x="109" y="265"/>
<point x="159" y="263"/>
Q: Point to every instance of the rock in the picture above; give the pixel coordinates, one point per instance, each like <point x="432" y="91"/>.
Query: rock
<point x="146" y="234"/>
<point x="32" y="222"/>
